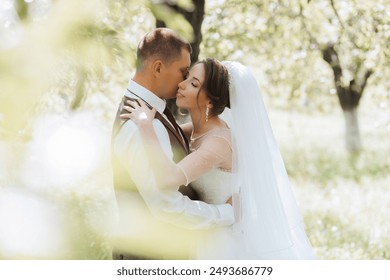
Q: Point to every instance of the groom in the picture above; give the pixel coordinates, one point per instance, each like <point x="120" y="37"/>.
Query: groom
<point x="163" y="60"/>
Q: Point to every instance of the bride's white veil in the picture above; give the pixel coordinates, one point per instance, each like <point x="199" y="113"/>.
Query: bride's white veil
<point x="265" y="205"/>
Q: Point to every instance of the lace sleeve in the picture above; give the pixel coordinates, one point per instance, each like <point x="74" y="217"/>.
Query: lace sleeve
<point x="214" y="152"/>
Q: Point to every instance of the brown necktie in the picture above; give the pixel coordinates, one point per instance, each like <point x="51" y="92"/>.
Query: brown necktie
<point x="170" y="117"/>
<point x="172" y="120"/>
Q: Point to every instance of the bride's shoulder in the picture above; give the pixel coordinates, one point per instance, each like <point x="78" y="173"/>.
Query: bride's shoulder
<point x="223" y="129"/>
<point x="219" y="133"/>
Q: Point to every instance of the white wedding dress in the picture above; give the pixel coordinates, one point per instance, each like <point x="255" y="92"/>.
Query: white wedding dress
<point x="218" y="243"/>
<point x="250" y="168"/>
<point x="216" y="187"/>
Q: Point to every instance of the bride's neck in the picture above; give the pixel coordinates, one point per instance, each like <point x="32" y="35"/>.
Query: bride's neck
<point x="200" y="125"/>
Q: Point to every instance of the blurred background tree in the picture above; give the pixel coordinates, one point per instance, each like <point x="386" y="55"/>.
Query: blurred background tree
<point x="291" y="40"/>
<point x="355" y="49"/>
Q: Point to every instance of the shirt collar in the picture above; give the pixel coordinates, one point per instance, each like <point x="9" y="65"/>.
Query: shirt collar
<point x="135" y="90"/>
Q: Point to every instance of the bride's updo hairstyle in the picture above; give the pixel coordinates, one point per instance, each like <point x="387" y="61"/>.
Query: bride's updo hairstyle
<point x="216" y="84"/>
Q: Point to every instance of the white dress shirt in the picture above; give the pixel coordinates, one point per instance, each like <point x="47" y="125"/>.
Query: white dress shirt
<point x="168" y="206"/>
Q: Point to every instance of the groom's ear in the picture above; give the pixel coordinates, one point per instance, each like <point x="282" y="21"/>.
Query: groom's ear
<point x="156" y="67"/>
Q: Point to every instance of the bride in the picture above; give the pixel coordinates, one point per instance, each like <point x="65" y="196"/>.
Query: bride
<point x="234" y="157"/>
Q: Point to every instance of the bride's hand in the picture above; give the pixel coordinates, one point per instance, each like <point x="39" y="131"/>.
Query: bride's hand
<point x="230" y="201"/>
<point x="139" y="112"/>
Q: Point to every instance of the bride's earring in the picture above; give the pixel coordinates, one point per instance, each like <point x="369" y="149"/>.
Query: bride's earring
<point x="207" y="114"/>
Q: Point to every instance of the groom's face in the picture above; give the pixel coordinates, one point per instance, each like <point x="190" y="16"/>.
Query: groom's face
<point x="173" y="74"/>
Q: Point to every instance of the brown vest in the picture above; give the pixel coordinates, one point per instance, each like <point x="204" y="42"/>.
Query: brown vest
<point x="122" y="180"/>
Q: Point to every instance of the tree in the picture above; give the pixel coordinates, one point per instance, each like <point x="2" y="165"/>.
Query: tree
<point x="349" y="96"/>
<point x="354" y="51"/>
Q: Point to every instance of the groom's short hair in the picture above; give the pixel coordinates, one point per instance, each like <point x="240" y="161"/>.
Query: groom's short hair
<point x="161" y="43"/>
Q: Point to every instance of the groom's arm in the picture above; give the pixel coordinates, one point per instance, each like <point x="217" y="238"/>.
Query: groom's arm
<point x="180" y="210"/>
<point x="169" y="205"/>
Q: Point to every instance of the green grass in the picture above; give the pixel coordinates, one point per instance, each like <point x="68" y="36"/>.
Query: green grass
<point x="344" y="199"/>
<point x="324" y="166"/>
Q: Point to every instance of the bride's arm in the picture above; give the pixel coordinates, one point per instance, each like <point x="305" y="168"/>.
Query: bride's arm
<point x="170" y="175"/>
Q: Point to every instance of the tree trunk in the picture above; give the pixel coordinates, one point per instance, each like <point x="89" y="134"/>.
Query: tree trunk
<point x="352" y="132"/>
<point x="195" y="18"/>
<point x="349" y="95"/>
